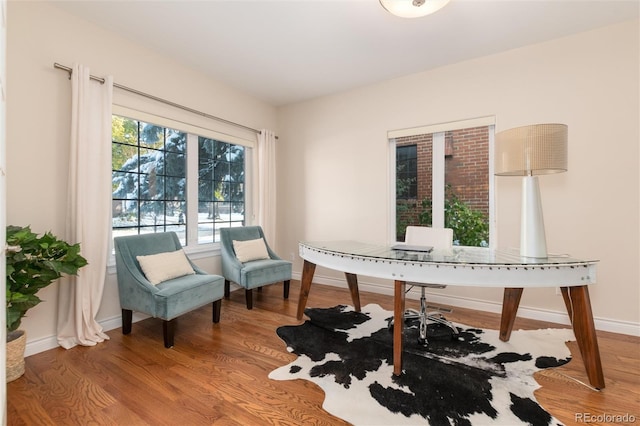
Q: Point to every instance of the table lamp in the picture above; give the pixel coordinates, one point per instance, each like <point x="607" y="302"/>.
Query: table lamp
<point x="529" y="151"/>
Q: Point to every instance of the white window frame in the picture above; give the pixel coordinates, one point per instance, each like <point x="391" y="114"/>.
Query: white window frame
<point x="194" y="130"/>
<point x="438" y="170"/>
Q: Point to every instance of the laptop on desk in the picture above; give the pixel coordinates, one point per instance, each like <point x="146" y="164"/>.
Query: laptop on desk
<point x="412" y="247"/>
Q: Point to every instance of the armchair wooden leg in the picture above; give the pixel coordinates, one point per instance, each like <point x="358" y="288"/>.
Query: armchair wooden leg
<point x="248" y="293"/>
<point x="168" y="329"/>
<point x="217" y="305"/>
<point x="127" y="318"/>
<point x="227" y="288"/>
<point x="287" y="284"/>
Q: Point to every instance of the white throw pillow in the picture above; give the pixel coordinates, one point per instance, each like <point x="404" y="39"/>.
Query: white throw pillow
<point x="249" y="250"/>
<point x="165" y="266"/>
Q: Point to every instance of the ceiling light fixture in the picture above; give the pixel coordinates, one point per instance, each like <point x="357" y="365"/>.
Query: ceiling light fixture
<point x="413" y="8"/>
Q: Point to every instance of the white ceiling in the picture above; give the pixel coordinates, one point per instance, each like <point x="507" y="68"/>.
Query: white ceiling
<point x="285" y="51"/>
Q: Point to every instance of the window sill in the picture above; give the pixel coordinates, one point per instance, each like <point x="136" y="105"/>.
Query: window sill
<point x="201" y="251"/>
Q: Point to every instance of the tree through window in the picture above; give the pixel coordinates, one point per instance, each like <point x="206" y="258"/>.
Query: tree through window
<point x="150" y="181"/>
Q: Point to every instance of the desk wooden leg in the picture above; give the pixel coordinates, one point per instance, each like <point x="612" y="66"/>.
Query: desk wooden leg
<point x="398" y="325"/>
<point x="308" y="269"/>
<point x="578" y="304"/>
<point x="510" y="304"/>
<point x="352" y="280"/>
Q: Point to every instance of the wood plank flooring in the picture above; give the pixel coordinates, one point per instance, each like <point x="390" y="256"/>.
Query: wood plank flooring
<point x="217" y="373"/>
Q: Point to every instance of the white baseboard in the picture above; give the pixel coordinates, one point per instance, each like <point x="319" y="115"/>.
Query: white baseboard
<point x="44" y="344"/>
<point x="558" y="317"/>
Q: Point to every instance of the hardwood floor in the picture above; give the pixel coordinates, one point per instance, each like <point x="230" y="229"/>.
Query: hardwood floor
<point x="217" y="373"/>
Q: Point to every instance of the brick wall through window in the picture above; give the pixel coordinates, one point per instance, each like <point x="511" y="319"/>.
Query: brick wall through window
<point x="466" y="169"/>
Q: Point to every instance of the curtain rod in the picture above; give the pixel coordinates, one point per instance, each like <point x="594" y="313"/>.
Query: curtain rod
<point x="155" y="98"/>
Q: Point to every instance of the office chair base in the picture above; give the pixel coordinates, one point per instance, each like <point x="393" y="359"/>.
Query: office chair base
<point x="433" y="325"/>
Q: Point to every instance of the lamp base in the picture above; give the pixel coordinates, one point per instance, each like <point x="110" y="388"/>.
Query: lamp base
<point x="533" y="241"/>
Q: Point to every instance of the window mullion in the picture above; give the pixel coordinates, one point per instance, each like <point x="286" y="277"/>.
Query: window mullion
<point x="492" y="205"/>
<point x="438" y="180"/>
<point x="192" y="190"/>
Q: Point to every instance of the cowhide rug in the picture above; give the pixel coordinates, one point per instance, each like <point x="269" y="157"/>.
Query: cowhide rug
<point x="472" y="379"/>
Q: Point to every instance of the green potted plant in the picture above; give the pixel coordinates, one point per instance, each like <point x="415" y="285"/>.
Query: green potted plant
<point x="33" y="262"/>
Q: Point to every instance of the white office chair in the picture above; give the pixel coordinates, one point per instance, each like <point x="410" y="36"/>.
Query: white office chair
<point x="438" y="238"/>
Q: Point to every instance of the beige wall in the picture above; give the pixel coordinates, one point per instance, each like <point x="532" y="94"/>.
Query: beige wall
<point x="333" y="174"/>
<point x="335" y="182"/>
<point x="38" y="118"/>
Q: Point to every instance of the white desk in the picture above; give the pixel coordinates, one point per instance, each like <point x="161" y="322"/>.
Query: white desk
<point x="463" y="266"/>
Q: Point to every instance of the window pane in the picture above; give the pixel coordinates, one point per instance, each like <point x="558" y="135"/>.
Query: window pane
<point x="124" y="185"/>
<point x="176" y="141"/>
<point x="236" y="192"/>
<point x="148" y="155"/>
<point x="237" y="212"/>
<point x="205" y="169"/>
<point x="151" y="187"/>
<point x="175" y="164"/>
<point x="124" y="157"/>
<point x="406" y="172"/>
<point x="414" y="171"/>
<point x="223" y="192"/>
<point x="124" y="130"/>
<point x="125" y="213"/>
<point x="222" y="171"/>
<point x="220" y="187"/>
<point x="236" y="154"/>
<point x="467" y="185"/>
<point x="205" y="233"/>
<point x="151" y="135"/>
<point x="222" y="211"/>
<point x="206" y="146"/>
<point x="210" y="211"/>
<point x="175" y="188"/>
<point x="205" y="191"/>
<point x="206" y="215"/>
<point x="152" y="213"/>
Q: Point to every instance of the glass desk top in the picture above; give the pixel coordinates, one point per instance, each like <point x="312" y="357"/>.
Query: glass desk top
<point x="456" y="255"/>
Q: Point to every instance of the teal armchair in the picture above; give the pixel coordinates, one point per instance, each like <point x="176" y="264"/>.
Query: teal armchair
<point x="255" y="273"/>
<point x="168" y="299"/>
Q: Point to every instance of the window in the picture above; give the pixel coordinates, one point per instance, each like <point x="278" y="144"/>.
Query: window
<point x="152" y="182"/>
<point x="406" y="171"/>
<point x="452" y="179"/>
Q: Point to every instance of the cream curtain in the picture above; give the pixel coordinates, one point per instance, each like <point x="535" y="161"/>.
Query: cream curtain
<point x="89" y="208"/>
<point x="266" y="176"/>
